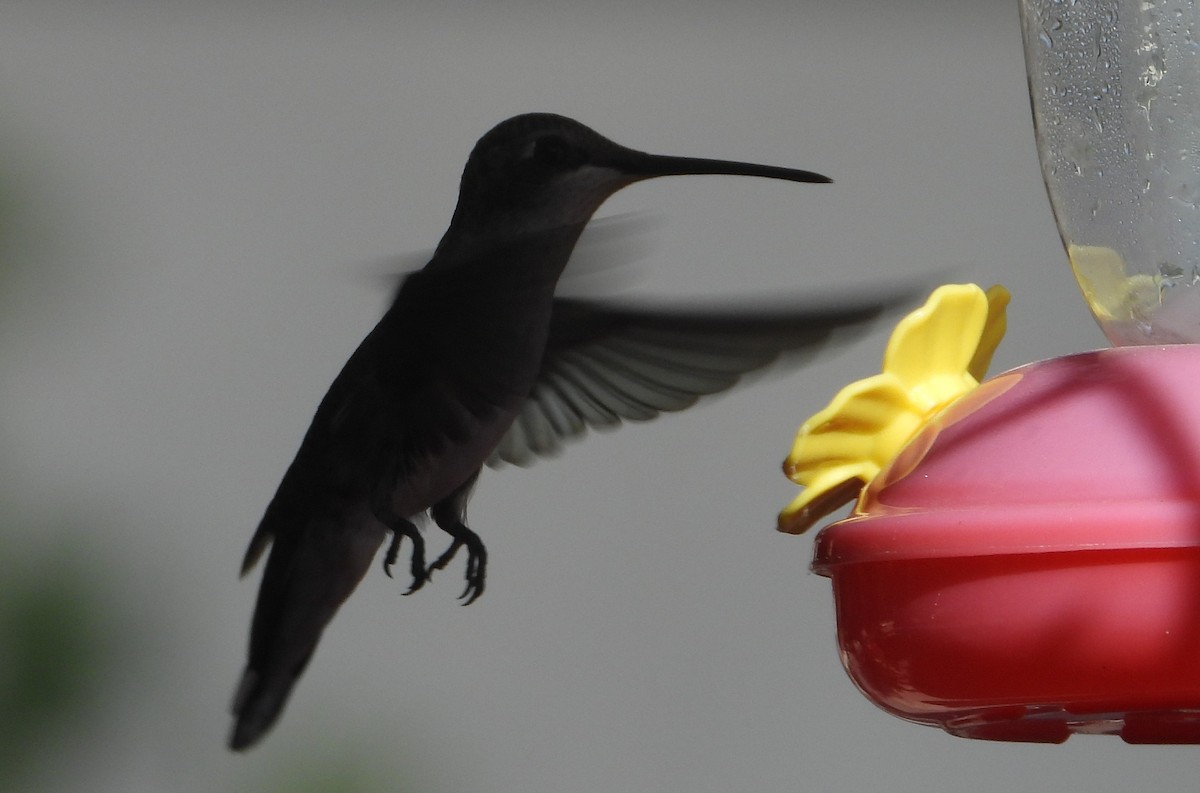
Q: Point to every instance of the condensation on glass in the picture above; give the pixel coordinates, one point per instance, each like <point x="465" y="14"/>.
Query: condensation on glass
<point x="1115" y="89"/>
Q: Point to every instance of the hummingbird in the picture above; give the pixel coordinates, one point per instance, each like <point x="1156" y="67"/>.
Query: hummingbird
<point x="477" y="362"/>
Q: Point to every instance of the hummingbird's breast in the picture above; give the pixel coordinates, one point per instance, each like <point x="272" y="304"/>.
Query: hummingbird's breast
<point x="462" y="375"/>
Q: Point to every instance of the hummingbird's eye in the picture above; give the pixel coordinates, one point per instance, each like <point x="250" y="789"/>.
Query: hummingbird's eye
<point x="552" y="152"/>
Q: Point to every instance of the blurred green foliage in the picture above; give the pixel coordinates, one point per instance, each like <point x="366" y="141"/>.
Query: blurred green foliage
<point x="333" y="772"/>
<point x="54" y="657"/>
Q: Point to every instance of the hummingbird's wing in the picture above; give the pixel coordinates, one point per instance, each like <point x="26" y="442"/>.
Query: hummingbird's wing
<point x="606" y="250"/>
<point x="607" y="363"/>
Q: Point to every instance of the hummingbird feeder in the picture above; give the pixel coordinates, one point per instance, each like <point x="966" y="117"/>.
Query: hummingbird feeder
<point x="1023" y="561"/>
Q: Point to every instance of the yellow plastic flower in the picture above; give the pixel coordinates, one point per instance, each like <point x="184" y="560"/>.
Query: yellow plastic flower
<point x="936" y="354"/>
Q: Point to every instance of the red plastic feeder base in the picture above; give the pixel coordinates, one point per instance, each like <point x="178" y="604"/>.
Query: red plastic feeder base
<point x="1029" y="567"/>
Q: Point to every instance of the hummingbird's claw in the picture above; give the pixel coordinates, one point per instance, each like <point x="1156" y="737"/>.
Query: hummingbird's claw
<point x="392" y="552"/>
<point x="476" y="567"/>
<point x="476" y="563"/>
<point x="417" y="565"/>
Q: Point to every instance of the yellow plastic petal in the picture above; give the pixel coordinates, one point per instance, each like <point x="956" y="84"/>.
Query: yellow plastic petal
<point x="993" y="331"/>
<point x="940" y="337"/>
<point x="861" y="425"/>
<point x="820" y="499"/>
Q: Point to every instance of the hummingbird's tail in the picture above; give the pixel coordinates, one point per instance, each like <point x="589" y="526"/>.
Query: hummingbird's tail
<point x="311" y="570"/>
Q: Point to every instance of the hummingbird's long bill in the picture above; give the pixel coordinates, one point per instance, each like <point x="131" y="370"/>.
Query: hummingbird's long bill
<point x="647" y="166"/>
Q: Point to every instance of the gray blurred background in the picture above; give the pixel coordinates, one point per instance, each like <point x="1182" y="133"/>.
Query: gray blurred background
<point x="197" y="201"/>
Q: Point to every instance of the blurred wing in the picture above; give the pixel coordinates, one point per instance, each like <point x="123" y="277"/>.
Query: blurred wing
<point x="604" y="254"/>
<point x="607" y="363"/>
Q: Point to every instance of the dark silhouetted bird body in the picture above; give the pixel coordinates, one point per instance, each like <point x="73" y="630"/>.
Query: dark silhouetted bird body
<point x="476" y="361"/>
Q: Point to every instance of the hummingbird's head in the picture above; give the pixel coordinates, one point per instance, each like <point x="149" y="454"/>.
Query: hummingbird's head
<point x="541" y="171"/>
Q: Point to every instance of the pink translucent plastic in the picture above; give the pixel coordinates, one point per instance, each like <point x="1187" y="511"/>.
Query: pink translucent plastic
<point x="1029" y="566"/>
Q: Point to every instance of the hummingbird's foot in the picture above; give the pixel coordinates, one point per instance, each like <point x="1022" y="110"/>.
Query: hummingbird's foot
<point x="476" y="562"/>
<point x="476" y="570"/>
<point x="403" y="528"/>
<point x="448" y="515"/>
<point x="476" y="558"/>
